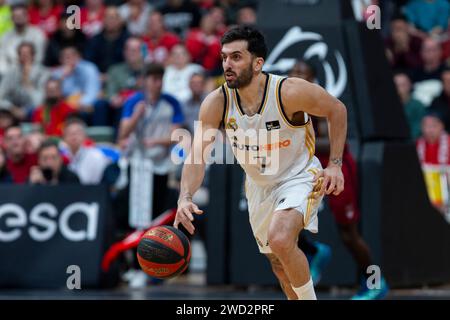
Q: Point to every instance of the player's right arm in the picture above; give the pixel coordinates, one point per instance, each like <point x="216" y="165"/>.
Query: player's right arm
<point x="210" y="117"/>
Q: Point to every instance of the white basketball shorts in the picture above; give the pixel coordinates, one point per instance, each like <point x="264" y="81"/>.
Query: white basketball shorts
<point x="294" y="193"/>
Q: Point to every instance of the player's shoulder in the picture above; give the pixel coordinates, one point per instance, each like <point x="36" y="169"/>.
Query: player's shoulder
<point x="295" y="89"/>
<point x="213" y="107"/>
<point x="293" y="84"/>
<point x="215" y="99"/>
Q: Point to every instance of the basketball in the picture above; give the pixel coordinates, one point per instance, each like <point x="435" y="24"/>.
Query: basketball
<point x="164" y="252"/>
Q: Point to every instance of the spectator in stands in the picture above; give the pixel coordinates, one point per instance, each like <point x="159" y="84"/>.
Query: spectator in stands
<point x="106" y="48"/>
<point x="429" y="16"/>
<point x="180" y="15"/>
<point x="22" y="88"/>
<point x="232" y="7"/>
<point x="403" y="49"/>
<point x="52" y="114"/>
<point x="7" y="120"/>
<point x="80" y="85"/>
<point x="33" y="141"/>
<point x="431" y="53"/>
<point x="92" y="16"/>
<point x="45" y="14"/>
<point x="87" y="162"/>
<point x="178" y="73"/>
<point x="159" y="41"/>
<point x="441" y="104"/>
<point x="191" y="108"/>
<point x="434" y="145"/>
<point x="218" y="15"/>
<point x="204" y="5"/>
<point x="22" y="32"/>
<point x="203" y="44"/>
<point x="149" y="118"/>
<point x="63" y="37"/>
<point x="136" y="14"/>
<point x="18" y="162"/>
<point x="246" y="15"/>
<point x="51" y="169"/>
<point x="124" y="79"/>
<point x="5" y="18"/>
<point x="414" y="109"/>
<point x="5" y="176"/>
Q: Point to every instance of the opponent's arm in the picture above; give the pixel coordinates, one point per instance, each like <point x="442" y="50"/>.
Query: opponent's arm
<point x="300" y="95"/>
<point x="210" y="117"/>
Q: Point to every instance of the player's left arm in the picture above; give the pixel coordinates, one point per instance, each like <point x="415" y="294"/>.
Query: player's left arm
<point x="300" y="95"/>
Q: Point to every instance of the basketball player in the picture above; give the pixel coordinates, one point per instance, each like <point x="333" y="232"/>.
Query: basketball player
<point x="283" y="203"/>
<point x="344" y="207"/>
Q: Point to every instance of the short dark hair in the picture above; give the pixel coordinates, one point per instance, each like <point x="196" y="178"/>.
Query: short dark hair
<point x="72" y="47"/>
<point x="154" y="69"/>
<point x="54" y="79"/>
<point x="5" y="113"/>
<point x="309" y="65"/>
<point x="49" y="143"/>
<point x="74" y="119"/>
<point x="255" y="39"/>
<point x="19" y="5"/>
<point x="398" y="15"/>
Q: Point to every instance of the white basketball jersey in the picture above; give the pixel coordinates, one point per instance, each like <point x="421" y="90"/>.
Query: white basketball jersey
<point x="269" y="148"/>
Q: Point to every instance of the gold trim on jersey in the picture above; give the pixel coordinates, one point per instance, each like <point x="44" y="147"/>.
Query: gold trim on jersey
<point x="228" y="105"/>
<point x="310" y="141"/>
<point x="236" y="102"/>
<point x="313" y="196"/>
<point x="277" y="98"/>
<point x="266" y="93"/>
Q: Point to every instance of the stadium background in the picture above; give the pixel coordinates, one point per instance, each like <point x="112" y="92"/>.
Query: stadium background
<point x="410" y="239"/>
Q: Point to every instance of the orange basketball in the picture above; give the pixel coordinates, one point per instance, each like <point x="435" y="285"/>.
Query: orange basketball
<point x="164" y="252"/>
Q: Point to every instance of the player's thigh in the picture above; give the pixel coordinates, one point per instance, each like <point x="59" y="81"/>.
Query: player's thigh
<point x="285" y="227"/>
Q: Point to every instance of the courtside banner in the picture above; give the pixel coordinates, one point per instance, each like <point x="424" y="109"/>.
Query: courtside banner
<point x="52" y="237"/>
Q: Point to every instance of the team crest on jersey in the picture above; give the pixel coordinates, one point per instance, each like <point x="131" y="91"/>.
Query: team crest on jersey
<point x="231" y="124"/>
<point x="272" y="125"/>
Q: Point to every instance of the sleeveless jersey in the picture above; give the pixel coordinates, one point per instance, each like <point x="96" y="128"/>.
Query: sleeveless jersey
<point x="267" y="145"/>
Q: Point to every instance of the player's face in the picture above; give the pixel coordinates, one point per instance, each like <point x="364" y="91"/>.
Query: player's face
<point x="238" y="64"/>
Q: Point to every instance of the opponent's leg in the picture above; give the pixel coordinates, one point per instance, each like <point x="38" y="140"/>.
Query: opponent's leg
<point x="283" y="232"/>
<point x="277" y="269"/>
<point x="356" y="245"/>
<point x="318" y="255"/>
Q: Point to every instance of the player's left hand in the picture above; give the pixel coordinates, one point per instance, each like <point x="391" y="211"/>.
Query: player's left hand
<point x="333" y="180"/>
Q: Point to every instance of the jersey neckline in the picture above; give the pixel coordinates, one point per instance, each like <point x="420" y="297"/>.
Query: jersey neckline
<point x="263" y="101"/>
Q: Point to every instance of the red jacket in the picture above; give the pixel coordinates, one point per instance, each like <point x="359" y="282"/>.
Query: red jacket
<point x="52" y="119"/>
<point x="204" y="49"/>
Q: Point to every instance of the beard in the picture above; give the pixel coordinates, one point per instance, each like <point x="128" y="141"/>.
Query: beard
<point x="242" y="80"/>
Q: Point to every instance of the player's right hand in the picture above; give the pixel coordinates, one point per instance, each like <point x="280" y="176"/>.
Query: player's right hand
<point x="185" y="216"/>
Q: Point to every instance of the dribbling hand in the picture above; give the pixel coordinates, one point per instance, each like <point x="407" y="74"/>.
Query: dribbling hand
<point x="185" y="216"/>
<point x="333" y="180"/>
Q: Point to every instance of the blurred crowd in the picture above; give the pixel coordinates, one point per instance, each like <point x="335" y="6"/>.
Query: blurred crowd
<point x="91" y="91"/>
<point x="417" y="42"/>
<point x="135" y="70"/>
<point x="68" y="67"/>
